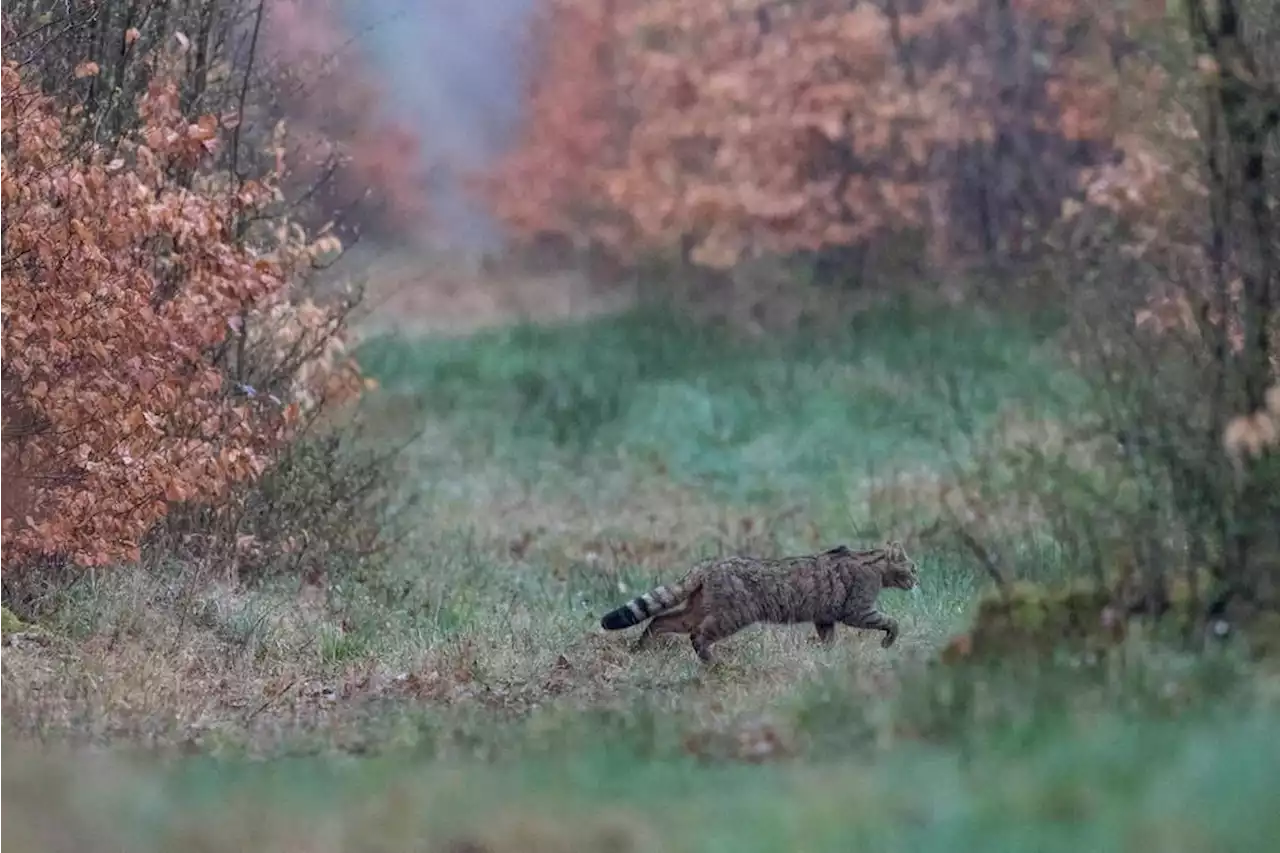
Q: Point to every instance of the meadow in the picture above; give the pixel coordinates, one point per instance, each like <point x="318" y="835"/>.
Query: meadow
<point x="465" y="699"/>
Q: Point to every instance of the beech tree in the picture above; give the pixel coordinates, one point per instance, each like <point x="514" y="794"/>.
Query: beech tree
<point x="131" y="295"/>
<point x="731" y="128"/>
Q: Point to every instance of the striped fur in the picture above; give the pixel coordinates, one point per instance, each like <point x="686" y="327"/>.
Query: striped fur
<point x="722" y="596"/>
<point x="658" y="600"/>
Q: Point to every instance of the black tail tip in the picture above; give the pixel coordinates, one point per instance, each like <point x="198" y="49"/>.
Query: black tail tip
<point x="617" y="620"/>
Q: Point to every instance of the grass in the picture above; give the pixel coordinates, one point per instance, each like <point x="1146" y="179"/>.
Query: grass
<point x="745" y="419"/>
<point x="466" y="700"/>
<point x="1124" y="785"/>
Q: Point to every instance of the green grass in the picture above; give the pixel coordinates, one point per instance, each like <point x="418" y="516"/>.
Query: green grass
<point x="626" y="446"/>
<point x="759" y="419"/>
<point x="1201" y="783"/>
<point x="468" y="692"/>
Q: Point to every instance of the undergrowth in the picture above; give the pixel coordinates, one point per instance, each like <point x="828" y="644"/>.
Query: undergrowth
<point x="556" y="471"/>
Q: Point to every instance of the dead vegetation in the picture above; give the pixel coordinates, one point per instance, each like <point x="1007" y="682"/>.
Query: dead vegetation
<point x="218" y="668"/>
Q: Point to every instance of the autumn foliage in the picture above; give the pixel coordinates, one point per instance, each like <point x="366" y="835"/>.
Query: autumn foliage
<point x="126" y="293"/>
<point x="734" y="129"/>
<point x="253" y="64"/>
<point x="173" y="173"/>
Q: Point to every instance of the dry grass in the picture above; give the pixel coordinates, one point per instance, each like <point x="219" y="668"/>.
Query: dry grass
<point x="524" y="542"/>
<point x="210" y="667"/>
<point x="427" y="290"/>
<point x="430" y="291"/>
<point x="1025" y="452"/>
<point x="1107" y="784"/>
<point x="478" y="660"/>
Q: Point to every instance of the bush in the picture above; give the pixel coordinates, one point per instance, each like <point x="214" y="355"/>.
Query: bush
<point x="1169" y="267"/>
<point x="120" y="288"/>
<point x="689" y="126"/>
<point x="163" y="350"/>
<point x="328" y="507"/>
<point x="282" y="76"/>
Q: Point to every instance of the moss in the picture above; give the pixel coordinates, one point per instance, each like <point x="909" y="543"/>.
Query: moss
<point x="1093" y="615"/>
<point x="1264" y="635"/>
<point x="11" y="624"/>
<point x="1190" y="591"/>
<point x="1085" y="614"/>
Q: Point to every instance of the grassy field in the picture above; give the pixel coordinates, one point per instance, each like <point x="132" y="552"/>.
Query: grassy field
<point x="467" y="700"/>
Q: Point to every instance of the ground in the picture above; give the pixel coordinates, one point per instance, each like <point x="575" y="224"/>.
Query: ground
<point x="469" y="701"/>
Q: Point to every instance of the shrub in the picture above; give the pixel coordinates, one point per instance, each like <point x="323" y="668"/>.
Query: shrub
<point x="808" y="127"/>
<point x="162" y="350"/>
<point x="120" y="287"/>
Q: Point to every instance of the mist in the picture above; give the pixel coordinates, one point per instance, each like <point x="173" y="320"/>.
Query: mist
<point x="453" y="74"/>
